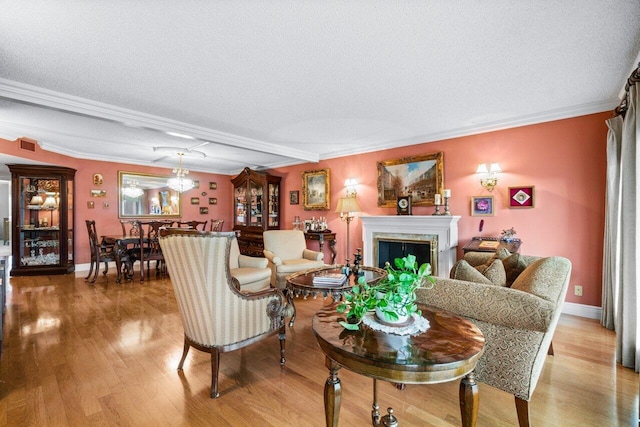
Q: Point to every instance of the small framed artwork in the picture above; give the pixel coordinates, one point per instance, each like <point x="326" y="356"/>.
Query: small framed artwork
<point x="213" y="186"/>
<point x="213" y="201"/>
<point x="316" y="192"/>
<point x="97" y="179"/>
<point x="98" y="193"/>
<point x="522" y="197"/>
<point x="91" y="205"/>
<point x="204" y="211"/>
<point x="105" y="205"/>
<point x="294" y="197"/>
<point x="482" y="206"/>
<point x="195" y="200"/>
<point x="196" y="183"/>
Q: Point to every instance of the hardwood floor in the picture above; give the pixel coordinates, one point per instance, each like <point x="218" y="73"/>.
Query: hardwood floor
<point x="76" y="354"/>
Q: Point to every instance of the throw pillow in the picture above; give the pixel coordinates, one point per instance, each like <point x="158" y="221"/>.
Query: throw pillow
<point x="462" y="270"/>
<point x="502" y="253"/>
<point x="513" y="265"/>
<point x="494" y="271"/>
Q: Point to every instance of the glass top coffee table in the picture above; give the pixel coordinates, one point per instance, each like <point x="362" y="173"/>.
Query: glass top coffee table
<point x="301" y="284"/>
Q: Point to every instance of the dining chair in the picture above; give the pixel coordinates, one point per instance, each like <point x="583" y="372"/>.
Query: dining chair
<point x="216" y="224"/>
<point x="100" y="252"/>
<point x="216" y="316"/>
<point x="196" y="225"/>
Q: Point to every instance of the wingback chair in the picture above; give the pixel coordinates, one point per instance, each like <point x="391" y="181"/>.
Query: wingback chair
<point x="518" y="322"/>
<point x="216" y="316"/>
<point x="253" y="273"/>
<point x="287" y="253"/>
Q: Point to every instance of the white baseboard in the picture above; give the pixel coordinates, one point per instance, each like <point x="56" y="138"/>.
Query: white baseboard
<point x="582" y="310"/>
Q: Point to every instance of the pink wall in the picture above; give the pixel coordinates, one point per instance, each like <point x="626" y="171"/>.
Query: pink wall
<point x="107" y="221"/>
<point x="564" y="160"/>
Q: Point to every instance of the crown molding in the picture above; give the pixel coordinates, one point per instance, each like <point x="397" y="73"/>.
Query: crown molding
<point x="513" y="122"/>
<point x="72" y="104"/>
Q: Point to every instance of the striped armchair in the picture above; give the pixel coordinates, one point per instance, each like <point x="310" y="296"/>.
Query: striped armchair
<point x="518" y="322"/>
<point x="216" y="316"/>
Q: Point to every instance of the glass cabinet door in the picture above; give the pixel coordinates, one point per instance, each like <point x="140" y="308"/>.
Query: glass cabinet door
<point x="39" y="237"/>
<point x="274" y="203"/>
<point x="70" y="235"/>
<point x="256" y="204"/>
<point x="240" y="201"/>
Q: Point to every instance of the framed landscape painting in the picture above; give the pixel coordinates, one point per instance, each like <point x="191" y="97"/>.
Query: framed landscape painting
<point x="421" y="177"/>
<point x="316" y="192"/>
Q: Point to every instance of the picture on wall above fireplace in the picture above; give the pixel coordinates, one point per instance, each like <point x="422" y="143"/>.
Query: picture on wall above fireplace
<point x="421" y="177"/>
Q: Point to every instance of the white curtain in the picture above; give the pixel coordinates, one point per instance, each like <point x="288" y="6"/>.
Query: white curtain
<point x="621" y="255"/>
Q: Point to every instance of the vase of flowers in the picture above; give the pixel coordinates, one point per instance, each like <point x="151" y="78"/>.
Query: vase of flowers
<point x="393" y="298"/>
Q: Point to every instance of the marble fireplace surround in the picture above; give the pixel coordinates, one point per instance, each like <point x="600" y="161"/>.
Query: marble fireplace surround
<point x="439" y="230"/>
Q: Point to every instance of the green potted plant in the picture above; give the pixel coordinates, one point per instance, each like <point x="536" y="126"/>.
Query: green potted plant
<point x="393" y="298"/>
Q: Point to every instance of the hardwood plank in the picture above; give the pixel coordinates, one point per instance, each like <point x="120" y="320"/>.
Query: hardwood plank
<point x="106" y="354"/>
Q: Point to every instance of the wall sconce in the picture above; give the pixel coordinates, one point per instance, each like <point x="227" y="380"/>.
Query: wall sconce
<point x="488" y="176"/>
<point x="351" y="184"/>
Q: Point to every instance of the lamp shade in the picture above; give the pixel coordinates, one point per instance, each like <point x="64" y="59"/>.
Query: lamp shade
<point x="49" y="203"/>
<point x="482" y="168"/>
<point x="495" y="168"/>
<point x="36" y="200"/>
<point x="348" y="204"/>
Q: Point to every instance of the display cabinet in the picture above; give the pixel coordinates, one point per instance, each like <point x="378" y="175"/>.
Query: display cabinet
<point x="42" y="220"/>
<point x="256" y="201"/>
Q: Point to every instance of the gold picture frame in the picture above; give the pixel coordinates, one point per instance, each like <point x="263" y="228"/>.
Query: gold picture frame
<point x="421" y="177"/>
<point x="316" y="189"/>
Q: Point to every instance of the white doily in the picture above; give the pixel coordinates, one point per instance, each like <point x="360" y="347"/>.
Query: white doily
<point x="418" y="326"/>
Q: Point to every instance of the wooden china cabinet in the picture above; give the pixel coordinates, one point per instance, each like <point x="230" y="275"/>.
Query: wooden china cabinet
<point x="42" y="220"/>
<point x="256" y="203"/>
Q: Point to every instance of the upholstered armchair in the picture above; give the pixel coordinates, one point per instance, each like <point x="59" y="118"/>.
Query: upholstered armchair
<point x="216" y="316"/>
<point x="518" y="321"/>
<point x="253" y="273"/>
<point x="287" y="253"/>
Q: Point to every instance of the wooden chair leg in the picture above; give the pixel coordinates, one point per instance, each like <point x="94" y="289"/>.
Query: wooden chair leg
<point x="184" y="353"/>
<point x="522" y="407"/>
<point x="215" y="368"/>
<point x="90" y="270"/>
<point x="550" y="351"/>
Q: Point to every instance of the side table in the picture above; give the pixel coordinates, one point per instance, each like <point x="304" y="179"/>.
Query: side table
<point x="475" y="245"/>
<point x="321" y="237"/>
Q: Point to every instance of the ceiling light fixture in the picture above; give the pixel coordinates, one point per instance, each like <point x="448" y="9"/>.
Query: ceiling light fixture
<point x="132" y="190"/>
<point x="180" y="182"/>
<point x="180" y="135"/>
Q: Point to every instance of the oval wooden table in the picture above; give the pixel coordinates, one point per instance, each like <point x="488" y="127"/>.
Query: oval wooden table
<point x="301" y="284"/>
<point x="448" y="350"/>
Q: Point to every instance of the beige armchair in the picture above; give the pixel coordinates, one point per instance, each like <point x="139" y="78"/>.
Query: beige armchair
<point x="210" y="304"/>
<point x="252" y="273"/>
<point x="287" y="253"/>
<point x="518" y="322"/>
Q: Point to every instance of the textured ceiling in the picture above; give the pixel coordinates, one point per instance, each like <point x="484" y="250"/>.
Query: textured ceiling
<point x="271" y="83"/>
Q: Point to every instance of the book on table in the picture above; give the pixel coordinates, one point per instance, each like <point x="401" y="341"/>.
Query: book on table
<point x="491" y="244"/>
<point x="329" y="279"/>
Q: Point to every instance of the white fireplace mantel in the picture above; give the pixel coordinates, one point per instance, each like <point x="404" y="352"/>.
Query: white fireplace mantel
<point x="444" y="227"/>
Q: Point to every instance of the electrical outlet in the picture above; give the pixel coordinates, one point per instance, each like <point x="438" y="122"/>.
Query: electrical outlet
<point x="577" y="290"/>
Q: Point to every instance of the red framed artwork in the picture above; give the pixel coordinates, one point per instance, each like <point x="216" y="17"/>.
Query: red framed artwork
<point x="522" y="197"/>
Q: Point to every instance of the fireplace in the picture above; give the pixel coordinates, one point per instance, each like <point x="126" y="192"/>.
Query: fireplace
<point x="432" y="239"/>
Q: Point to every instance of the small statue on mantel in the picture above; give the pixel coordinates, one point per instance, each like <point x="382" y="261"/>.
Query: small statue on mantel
<point x="508" y="235"/>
